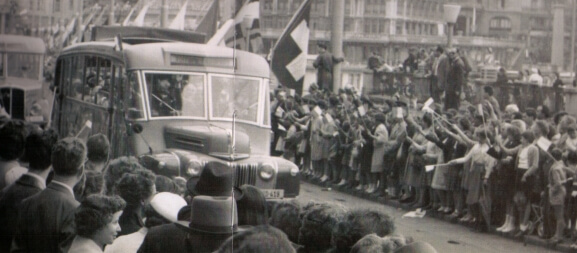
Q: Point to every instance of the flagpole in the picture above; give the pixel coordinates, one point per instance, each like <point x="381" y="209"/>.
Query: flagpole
<point x="337" y="40"/>
<point x="111" y="18"/>
<point x="164" y="14"/>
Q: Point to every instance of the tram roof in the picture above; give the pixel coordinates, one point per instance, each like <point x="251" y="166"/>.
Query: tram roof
<point x="21" y="44"/>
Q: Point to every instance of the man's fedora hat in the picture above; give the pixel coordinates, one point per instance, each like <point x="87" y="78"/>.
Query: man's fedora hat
<point x="214" y="215"/>
<point x="216" y="179"/>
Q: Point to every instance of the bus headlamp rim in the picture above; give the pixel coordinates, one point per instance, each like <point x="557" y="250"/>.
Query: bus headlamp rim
<point x="266" y="171"/>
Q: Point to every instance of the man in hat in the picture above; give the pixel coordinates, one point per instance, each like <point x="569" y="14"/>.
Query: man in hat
<point x="215" y="180"/>
<point x="324" y="65"/>
<point x="438" y="73"/>
<point x="455" y="80"/>
<point x="213" y="221"/>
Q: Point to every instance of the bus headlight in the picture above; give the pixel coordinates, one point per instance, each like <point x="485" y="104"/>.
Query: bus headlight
<point x="193" y="169"/>
<point x="266" y="171"/>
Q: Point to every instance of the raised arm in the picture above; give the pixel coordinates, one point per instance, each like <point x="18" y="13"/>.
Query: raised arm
<point x="465" y="158"/>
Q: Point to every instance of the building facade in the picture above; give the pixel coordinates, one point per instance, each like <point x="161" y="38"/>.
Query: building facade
<point x="517" y="31"/>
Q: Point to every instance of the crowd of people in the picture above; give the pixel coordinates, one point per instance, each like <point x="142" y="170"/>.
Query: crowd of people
<point x="484" y="164"/>
<point x="66" y="195"/>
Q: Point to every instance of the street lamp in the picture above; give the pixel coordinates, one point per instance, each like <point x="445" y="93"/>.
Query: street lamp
<point x="450" y="14"/>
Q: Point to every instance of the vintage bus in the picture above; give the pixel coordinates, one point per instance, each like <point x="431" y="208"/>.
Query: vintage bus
<point x="22" y="78"/>
<point x="176" y="105"/>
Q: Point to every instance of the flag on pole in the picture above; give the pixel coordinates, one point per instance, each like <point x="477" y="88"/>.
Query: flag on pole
<point x="127" y="19"/>
<point x="289" y="54"/>
<point x="246" y="29"/>
<point x="208" y="24"/>
<point x="139" y="20"/>
<point x="178" y="21"/>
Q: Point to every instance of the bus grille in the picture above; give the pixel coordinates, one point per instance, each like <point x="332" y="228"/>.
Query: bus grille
<point x="245" y="174"/>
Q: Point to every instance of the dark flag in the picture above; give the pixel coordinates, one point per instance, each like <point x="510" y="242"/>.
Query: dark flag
<point x="289" y="55"/>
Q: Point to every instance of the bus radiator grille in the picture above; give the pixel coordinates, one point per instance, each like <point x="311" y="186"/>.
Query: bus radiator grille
<point x="245" y="174"/>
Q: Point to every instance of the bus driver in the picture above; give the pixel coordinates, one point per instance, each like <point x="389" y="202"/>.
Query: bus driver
<point x="163" y="99"/>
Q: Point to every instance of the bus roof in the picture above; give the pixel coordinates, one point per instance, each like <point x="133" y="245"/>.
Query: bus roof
<point x="139" y="35"/>
<point x="159" y="56"/>
<point x="21" y="44"/>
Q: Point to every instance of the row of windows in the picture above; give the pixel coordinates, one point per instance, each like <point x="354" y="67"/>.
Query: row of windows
<point x="91" y="85"/>
<point x="500" y="23"/>
<point x="284" y="6"/>
<point x="371" y="7"/>
<point x="39" y="5"/>
<point x="369" y="26"/>
<point x="375" y="6"/>
<point x="90" y="79"/>
<point x="418" y="8"/>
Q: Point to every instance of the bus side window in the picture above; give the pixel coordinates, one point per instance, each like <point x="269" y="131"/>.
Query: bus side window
<point x="74" y="90"/>
<point x="102" y="94"/>
<point x="96" y="88"/>
<point x="133" y="98"/>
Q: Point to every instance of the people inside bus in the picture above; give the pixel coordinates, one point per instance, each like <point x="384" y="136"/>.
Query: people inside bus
<point x="97" y="91"/>
<point x="162" y="101"/>
<point x="193" y="96"/>
<point x="76" y="89"/>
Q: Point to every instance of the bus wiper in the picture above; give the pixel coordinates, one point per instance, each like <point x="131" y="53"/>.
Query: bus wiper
<point x="165" y="103"/>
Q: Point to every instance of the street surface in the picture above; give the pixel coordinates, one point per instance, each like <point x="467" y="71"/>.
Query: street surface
<point x="444" y="236"/>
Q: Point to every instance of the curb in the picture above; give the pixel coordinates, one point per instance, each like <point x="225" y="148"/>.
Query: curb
<point x="527" y="239"/>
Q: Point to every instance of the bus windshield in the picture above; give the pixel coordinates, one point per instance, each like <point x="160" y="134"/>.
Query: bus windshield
<point x="24" y="65"/>
<point x="201" y="95"/>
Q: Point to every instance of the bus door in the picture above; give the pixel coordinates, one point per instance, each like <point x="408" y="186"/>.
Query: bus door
<point x="87" y="95"/>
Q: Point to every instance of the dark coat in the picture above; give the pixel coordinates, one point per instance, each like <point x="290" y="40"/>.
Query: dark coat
<point x="180" y="239"/>
<point x="324" y="65"/>
<point x="443" y="68"/>
<point x="454" y="83"/>
<point x="165" y="238"/>
<point x="131" y="220"/>
<point x="46" y="221"/>
<point x="12" y="196"/>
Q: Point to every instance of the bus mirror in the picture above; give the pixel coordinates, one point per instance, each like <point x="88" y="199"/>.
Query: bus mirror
<point x="137" y="128"/>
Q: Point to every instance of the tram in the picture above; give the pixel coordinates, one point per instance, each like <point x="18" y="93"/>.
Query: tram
<point x="22" y="78"/>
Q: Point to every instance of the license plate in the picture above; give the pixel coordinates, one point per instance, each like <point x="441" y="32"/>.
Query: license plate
<point x="273" y="194"/>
